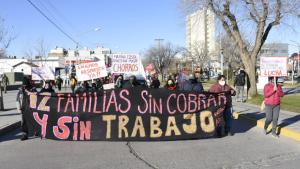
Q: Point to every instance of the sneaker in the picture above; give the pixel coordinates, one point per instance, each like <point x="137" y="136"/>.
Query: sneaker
<point x="265" y="131"/>
<point x="24" y="137"/>
<point x="230" y="133"/>
<point x="275" y="135"/>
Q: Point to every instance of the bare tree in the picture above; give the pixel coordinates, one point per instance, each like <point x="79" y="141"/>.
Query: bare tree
<point x="231" y="54"/>
<point x="161" y="56"/>
<point x="6" y="37"/>
<point x="262" y="15"/>
<point x="199" y="54"/>
<point x="41" y="49"/>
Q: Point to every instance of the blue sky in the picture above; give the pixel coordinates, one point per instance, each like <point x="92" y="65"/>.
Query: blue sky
<point x="126" y="25"/>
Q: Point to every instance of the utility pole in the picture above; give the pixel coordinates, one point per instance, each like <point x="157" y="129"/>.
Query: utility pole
<point x="222" y="62"/>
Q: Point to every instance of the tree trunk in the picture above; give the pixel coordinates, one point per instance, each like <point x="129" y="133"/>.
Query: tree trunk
<point x="251" y="80"/>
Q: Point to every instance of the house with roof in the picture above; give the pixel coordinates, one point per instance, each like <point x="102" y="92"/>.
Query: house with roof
<point x="24" y="67"/>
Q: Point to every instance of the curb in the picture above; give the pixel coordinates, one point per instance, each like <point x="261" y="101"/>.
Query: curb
<point x="9" y="128"/>
<point x="283" y="131"/>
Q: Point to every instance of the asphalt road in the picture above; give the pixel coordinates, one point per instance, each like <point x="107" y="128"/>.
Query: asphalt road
<point x="247" y="149"/>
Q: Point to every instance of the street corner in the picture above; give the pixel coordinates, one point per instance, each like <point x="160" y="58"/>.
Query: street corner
<point x="282" y="131"/>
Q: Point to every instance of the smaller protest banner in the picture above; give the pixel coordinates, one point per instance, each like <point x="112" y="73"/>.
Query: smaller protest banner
<point x="89" y="71"/>
<point x="273" y="66"/>
<point x="126" y="63"/>
<point x="43" y="73"/>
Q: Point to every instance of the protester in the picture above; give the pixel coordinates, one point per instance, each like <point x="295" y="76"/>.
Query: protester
<point x="93" y="88"/>
<point x="239" y="84"/>
<point x="272" y="95"/>
<point x="99" y="84"/>
<point x="47" y="88"/>
<point x="119" y="82"/>
<point x="132" y="82"/>
<point x="81" y="88"/>
<point x="26" y="87"/>
<point x="59" y="82"/>
<point x="73" y="83"/>
<point x="219" y="87"/>
<point x="5" y="82"/>
<point x="192" y="84"/>
<point x="170" y="85"/>
<point x="155" y="83"/>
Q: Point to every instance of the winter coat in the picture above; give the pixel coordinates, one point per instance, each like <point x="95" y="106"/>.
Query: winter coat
<point x="272" y="97"/>
<point x="240" y="80"/>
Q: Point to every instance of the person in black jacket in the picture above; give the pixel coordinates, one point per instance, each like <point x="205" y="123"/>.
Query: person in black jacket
<point x="47" y="88"/>
<point x="239" y="84"/>
<point x="26" y="87"/>
<point x="155" y="82"/>
<point x="132" y="82"/>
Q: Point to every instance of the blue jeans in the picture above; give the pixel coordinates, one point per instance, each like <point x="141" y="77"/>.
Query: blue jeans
<point x="228" y="118"/>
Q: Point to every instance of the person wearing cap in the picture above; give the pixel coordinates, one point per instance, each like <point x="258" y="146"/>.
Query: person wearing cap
<point x="26" y="87"/>
<point x="272" y="96"/>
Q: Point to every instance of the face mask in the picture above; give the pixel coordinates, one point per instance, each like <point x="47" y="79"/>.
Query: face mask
<point x="170" y="82"/>
<point x="222" y="83"/>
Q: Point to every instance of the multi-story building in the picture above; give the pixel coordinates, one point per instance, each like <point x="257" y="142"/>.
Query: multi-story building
<point x="275" y="50"/>
<point x="200" y="31"/>
<point x="201" y="40"/>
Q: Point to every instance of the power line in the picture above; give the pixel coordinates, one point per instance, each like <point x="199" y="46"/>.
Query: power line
<point x="52" y="22"/>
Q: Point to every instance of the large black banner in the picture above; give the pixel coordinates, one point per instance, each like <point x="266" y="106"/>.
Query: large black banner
<point x="126" y="115"/>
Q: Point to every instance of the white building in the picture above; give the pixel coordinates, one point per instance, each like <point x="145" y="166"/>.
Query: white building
<point x="24" y="67"/>
<point x="6" y="65"/>
<point x="275" y="50"/>
<point x="200" y="31"/>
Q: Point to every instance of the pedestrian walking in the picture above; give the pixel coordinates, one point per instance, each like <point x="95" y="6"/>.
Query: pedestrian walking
<point x="218" y="87"/>
<point x="272" y="96"/>
<point x="5" y="82"/>
<point x="26" y="87"/>
<point x="59" y="82"/>
<point x="239" y="84"/>
<point x="73" y="83"/>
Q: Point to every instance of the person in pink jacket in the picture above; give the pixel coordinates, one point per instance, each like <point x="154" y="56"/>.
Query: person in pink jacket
<point x="272" y="95"/>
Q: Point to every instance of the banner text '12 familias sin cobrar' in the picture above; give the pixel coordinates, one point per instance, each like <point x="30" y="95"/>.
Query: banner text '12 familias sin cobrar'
<point x="126" y="115"/>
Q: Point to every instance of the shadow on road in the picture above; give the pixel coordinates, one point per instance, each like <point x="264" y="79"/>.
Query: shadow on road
<point x="241" y="125"/>
<point x="287" y="122"/>
<point x="16" y="134"/>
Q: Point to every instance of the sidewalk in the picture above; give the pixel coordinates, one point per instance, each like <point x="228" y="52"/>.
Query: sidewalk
<point x="288" y="122"/>
<point x="9" y="118"/>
